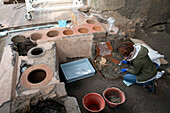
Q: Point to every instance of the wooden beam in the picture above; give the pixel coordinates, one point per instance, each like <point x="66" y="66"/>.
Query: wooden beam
<point x="1" y="2"/>
<point x="14" y="76"/>
<point x="11" y="1"/>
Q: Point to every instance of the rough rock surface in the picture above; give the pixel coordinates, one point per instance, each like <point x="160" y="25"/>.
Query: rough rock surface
<point x="134" y="9"/>
<point x="159" y="12"/>
<point x="72" y="105"/>
<point x="147" y="12"/>
<point x="107" y="4"/>
<point x="23" y="103"/>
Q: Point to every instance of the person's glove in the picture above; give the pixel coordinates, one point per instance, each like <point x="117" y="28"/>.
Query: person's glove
<point x="124" y="62"/>
<point x="123" y="70"/>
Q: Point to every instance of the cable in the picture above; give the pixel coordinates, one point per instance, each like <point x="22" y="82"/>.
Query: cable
<point x="19" y="6"/>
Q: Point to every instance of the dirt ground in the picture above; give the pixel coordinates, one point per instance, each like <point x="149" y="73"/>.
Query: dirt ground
<point x="138" y="100"/>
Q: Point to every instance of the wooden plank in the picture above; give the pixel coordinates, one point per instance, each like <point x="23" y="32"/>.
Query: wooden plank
<point x="10" y="14"/>
<point x="16" y="18"/>
<point x="7" y="14"/>
<point x="17" y="14"/>
<point x="3" y="11"/>
<point x="14" y="77"/>
<point x="20" y="17"/>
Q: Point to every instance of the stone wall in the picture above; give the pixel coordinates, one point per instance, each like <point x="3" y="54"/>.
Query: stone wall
<point x="55" y="92"/>
<point x="107" y="4"/>
<point x="159" y="12"/>
<point x="149" y="12"/>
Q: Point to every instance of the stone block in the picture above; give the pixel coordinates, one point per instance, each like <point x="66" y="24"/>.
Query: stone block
<point x="52" y="95"/>
<point x="6" y="73"/>
<point x="21" y="104"/>
<point x="5" y="108"/>
<point x="35" y="99"/>
<point x="47" y="89"/>
<point x="25" y="106"/>
<point x="71" y="105"/>
<point x="60" y="90"/>
<point x="28" y="92"/>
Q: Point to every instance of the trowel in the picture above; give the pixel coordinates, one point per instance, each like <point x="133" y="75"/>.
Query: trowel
<point x="122" y="61"/>
<point x="3" y="33"/>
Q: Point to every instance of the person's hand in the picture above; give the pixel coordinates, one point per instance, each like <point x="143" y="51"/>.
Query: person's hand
<point x="124" y="62"/>
<point x="123" y="70"/>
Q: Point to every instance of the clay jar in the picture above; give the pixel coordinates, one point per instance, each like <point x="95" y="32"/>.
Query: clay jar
<point x="35" y="36"/>
<point x="36" y="52"/>
<point x="36" y="76"/>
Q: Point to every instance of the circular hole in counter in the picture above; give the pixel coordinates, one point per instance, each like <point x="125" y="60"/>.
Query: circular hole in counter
<point x="67" y="32"/>
<point x="90" y="21"/>
<point x="35" y="36"/>
<point x="36" y="76"/>
<point x="83" y="30"/>
<point x="37" y="51"/>
<point x="52" y="33"/>
<point x="97" y="28"/>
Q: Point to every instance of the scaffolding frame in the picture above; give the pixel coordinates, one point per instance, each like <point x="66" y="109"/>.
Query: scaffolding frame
<point x="33" y="5"/>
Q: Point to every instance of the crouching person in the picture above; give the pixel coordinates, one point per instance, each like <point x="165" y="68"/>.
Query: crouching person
<point x="143" y="69"/>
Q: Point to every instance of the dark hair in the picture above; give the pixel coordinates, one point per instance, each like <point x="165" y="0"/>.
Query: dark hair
<point x="126" y="47"/>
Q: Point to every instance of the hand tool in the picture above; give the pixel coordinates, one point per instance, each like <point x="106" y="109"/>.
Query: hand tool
<point x="121" y="61"/>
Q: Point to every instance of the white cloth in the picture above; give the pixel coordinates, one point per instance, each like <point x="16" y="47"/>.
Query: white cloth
<point x="127" y="83"/>
<point x="158" y="75"/>
<point x="135" y="51"/>
<point x="154" y="55"/>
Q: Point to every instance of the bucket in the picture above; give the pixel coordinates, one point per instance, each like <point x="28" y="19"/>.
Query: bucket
<point x="93" y="102"/>
<point x="114" y="96"/>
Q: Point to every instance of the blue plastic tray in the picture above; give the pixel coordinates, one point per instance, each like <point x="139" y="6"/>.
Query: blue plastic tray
<point x="77" y="70"/>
